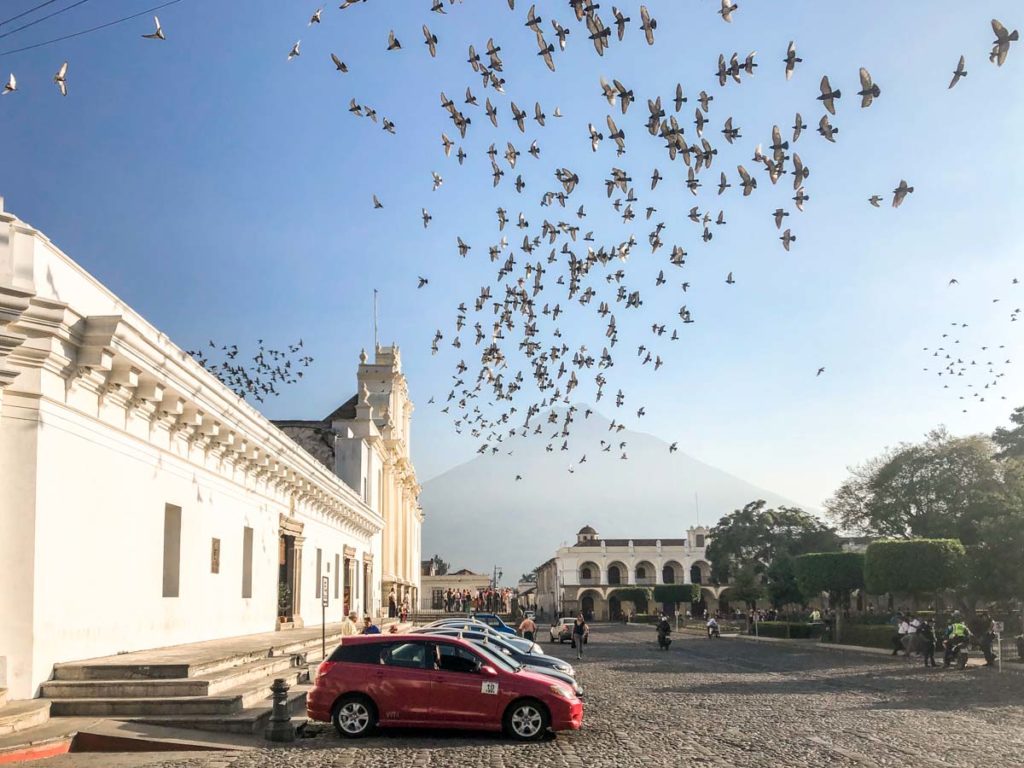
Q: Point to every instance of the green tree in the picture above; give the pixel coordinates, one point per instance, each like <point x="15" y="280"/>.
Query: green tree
<point x="440" y="566"/>
<point x="837" y="573"/>
<point x="914" y="566"/>
<point x="1010" y="442"/>
<point x="746" y="586"/>
<point x="995" y="564"/>
<point x="757" y="535"/>
<point x="529" y="577"/>
<point x="782" y="584"/>
<point x="940" y="488"/>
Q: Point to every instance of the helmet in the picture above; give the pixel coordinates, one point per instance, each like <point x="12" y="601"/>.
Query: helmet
<point x="956" y="614"/>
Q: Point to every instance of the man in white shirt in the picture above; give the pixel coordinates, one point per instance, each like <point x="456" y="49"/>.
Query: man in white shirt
<point x="348" y="625"/>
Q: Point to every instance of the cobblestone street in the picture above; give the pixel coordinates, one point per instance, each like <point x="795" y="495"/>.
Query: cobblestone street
<point x="729" y="702"/>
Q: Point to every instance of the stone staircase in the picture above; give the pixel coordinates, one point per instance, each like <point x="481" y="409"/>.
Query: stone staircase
<point x="226" y="691"/>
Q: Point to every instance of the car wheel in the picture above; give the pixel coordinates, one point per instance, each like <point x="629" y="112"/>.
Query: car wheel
<point x="526" y="720"/>
<point x="354" y="717"/>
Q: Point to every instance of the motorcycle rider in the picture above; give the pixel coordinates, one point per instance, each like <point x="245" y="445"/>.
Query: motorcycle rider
<point x="712" y="627"/>
<point x="957" y="635"/>
<point x="664" y="630"/>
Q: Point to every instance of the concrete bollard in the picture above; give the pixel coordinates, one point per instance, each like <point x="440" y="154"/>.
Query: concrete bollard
<point x="280" y="726"/>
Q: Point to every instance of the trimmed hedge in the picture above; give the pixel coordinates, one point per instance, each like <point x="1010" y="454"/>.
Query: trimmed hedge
<point x="914" y="566"/>
<point x="676" y="593"/>
<point x="786" y="629"/>
<point x="633" y="594"/>
<point x="833" y="572"/>
<point x="868" y="635"/>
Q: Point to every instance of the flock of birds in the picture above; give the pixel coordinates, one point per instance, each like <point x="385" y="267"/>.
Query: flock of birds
<point x="257" y="377"/>
<point x="970" y="370"/>
<point x="513" y="322"/>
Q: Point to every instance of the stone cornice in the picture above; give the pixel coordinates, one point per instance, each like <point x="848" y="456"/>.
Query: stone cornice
<point x="125" y="362"/>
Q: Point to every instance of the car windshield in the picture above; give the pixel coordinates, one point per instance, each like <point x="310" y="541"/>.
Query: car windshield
<point x="503" y="661"/>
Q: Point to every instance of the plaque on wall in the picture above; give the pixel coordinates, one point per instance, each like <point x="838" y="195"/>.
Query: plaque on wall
<point x="215" y="556"/>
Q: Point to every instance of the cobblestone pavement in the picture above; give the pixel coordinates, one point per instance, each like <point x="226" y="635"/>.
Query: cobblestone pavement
<point x="727" y="702"/>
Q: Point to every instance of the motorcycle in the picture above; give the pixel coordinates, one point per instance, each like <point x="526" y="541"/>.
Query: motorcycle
<point x="713" y="632"/>
<point x="956" y="653"/>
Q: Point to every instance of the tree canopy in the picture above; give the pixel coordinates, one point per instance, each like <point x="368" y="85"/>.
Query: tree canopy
<point x="757" y="535"/>
<point x="746" y="586"/>
<point x="1010" y="442"/>
<point x="915" y="566"/>
<point x="940" y="488"/>
<point x="837" y="573"/>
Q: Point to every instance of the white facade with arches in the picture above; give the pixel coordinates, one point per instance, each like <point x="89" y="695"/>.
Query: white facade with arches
<point x="586" y="575"/>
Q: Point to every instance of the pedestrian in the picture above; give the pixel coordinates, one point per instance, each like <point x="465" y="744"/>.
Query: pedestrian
<point x="369" y="628"/>
<point x="898" y="632"/>
<point x="392" y="604"/>
<point x="987" y="638"/>
<point x="527" y="628"/>
<point x="405" y="611"/>
<point x="579" y="634"/>
<point x="348" y="624"/>
<point x="926" y="639"/>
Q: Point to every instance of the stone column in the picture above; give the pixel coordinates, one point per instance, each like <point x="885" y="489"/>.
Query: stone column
<point x="297" y="582"/>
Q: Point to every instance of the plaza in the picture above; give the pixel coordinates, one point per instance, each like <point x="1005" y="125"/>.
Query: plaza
<point x="730" y="702"/>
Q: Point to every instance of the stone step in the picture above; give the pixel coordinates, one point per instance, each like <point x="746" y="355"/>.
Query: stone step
<point x="111" y="670"/>
<point x="21" y="715"/>
<point x="209" y="684"/>
<point x="226" y="702"/>
<point x="252" y="720"/>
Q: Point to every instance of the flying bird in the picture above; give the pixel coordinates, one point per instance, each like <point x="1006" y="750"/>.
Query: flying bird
<point x="338" y="63"/>
<point x="61" y="79"/>
<point x="158" y="33"/>
<point x="868" y="89"/>
<point x="727" y="10"/>
<point x="791" y="59"/>
<point x="430" y="40"/>
<point x="11" y="85"/>
<point x="828" y="96"/>
<point x="292" y="53"/>
<point x="900" y="193"/>
<point x="1001" y="45"/>
<point x="958" y="72"/>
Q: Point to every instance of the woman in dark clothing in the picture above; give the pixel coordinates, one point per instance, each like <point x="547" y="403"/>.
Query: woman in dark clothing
<point x="579" y="634"/>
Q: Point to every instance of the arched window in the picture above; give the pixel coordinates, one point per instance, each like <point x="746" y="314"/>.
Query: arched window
<point x="641" y="572"/>
<point x="585" y="572"/>
<point x="614" y="576"/>
<point x="668" y="574"/>
<point x="695" y="575"/>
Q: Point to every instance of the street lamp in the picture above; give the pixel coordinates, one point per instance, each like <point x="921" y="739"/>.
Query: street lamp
<point x="497" y="574"/>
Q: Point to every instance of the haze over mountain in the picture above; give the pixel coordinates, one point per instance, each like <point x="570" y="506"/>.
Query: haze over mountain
<point x="478" y="512"/>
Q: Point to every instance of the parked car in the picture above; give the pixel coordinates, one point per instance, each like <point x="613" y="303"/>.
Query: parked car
<point x="416" y="680"/>
<point x="521" y="643"/>
<point x="561" y="630"/>
<point x="535" y="662"/>
<point x="494" y="622"/>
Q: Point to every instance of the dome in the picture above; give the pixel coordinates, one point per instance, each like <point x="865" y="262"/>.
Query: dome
<point x="586" y="530"/>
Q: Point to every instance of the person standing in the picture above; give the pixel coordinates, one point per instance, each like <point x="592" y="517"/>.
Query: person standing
<point x="926" y="637"/>
<point x="392" y="604"/>
<point x="348" y="625"/>
<point x="527" y="628"/>
<point x="579" y="634"/>
<point x="900" y="631"/>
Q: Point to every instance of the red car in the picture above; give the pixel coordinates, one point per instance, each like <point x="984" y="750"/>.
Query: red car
<point x="436" y="682"/>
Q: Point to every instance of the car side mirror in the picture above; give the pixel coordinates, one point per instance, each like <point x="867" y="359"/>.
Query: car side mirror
<point x="488" y="671"/>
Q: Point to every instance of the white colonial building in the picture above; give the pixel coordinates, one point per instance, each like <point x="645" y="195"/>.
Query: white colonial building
<point x="587" y="575"/>
<point x="143" y="504"/>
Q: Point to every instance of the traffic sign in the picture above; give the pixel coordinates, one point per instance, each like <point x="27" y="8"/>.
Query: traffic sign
<point x="324" y="582"/>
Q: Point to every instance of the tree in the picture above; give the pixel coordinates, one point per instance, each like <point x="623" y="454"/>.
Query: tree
<point x="1010" y="442"/>
<point x="676" y="593"/>
<point x="995" y="564"/>
<point x="756" y="535"/>
<point x="940" y="488"/>
<point x="440" y="566"/>
<point x="915" y="566"/>
<point x="838" y="573"/>
<point x="746" y="586"/>
<point x="530" y="577"/>
<point x="783" y="588"/>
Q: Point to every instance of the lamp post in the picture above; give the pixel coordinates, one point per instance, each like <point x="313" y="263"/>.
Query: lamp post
<point x="497" y="574"/>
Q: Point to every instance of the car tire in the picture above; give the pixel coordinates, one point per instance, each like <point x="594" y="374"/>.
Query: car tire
<point x="526" y="720"/>
<point x="354" y="716"/>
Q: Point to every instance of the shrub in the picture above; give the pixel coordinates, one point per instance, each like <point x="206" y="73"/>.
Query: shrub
<point x="837" y="573"/>
<point x="792" y="630"/>
<point x="868" y="635"/>
<point x="676" y="593"/>
<point x="914" y="566"/>
<point x="633" y="594"/>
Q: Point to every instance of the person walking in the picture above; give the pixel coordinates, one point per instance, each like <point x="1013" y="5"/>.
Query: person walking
<point x="528" y="628"/>
<point x="579" y="634"/>
<point x="926" y="637"/>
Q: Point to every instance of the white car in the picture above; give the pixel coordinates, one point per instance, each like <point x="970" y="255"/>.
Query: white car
<point x="562" y="630"/>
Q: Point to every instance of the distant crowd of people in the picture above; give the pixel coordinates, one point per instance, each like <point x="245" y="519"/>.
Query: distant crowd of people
<point x="486" y="600"/>
<point x="912" y="634"/>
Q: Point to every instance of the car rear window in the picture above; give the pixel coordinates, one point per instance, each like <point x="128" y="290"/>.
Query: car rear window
<point x="368" y="653"/>
<point x="410" y="655"/>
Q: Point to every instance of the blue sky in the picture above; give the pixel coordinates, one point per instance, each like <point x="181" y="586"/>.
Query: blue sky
<point x="226" y="193"/>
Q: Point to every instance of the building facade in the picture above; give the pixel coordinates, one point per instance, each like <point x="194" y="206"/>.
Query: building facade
<point x="587" y="575"/>
<point x="366" y="443"/>
<point x="142" y="503"/>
